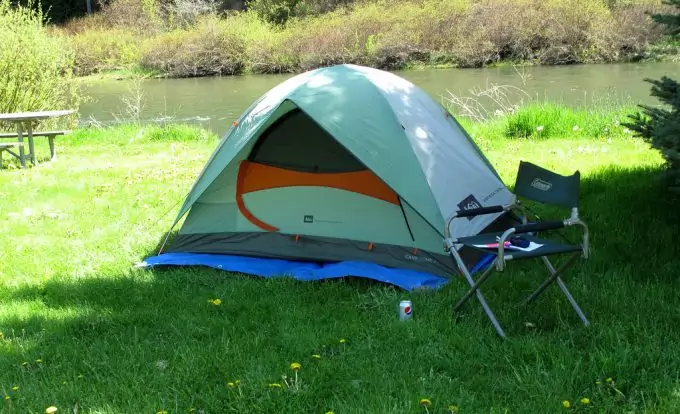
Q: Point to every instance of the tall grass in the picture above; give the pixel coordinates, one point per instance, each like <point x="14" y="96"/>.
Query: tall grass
<point x="388" y="34"/>
<point x="36" y="68"/>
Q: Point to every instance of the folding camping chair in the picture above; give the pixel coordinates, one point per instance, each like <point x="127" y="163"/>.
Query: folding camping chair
<point x="521" y="241"/>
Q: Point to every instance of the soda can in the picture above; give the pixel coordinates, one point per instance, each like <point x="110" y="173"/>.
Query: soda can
<point x="405" y="310"/>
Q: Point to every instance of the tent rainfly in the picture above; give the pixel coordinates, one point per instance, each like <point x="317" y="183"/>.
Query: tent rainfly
<point x="339" y="171"/>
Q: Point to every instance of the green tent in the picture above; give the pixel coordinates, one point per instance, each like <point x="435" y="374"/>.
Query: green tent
<point x="344" y="163"/>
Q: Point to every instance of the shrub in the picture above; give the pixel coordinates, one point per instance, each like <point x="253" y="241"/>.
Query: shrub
<point x="209" y="48"/>
<point x="102" y="50"/>
<point x="35" y="67"/>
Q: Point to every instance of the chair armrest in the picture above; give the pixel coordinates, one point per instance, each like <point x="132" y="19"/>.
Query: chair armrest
<point x="479" y="211"/>
<point x="473" y="212"/>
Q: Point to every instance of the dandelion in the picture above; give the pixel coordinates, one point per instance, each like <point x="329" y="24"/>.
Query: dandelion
<point x="343" y="340"/>
<point x="295" y="366"/>
<point x="50" y="410"/>
<point x="38" y="361"/>
<point x="609" y="379"/>
<point x="162" y="412"/>
<point x="275" y="385"/>
<point x="585" y="400"/>
<point x="192" y="410"/>
<point x="453" y="408"/>
<point x="81" y="376"/>
<point x="626" y="131"/>
<point x="575" y="128"/>
<point x="25" y="363"/>
<point x="330" y="412"/>
<point x="231" y="384"/>
<point x="7" y="398"/>
<point x="566" y="404"/>
<point x="425" y="402"/>
<point x="15" y="388"/>
<point x="598" y="382"/>
<point x="539" y="128"/>
<point x="316" y="356"/>
<point x="216" y="302"/>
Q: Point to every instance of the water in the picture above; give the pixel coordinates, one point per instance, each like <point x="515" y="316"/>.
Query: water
<point x="215" y="102"/>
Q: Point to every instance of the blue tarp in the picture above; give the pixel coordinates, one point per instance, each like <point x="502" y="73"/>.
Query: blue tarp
<point x="305" y="271"/>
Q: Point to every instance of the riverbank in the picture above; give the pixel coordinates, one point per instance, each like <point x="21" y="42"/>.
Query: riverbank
<point x="78" y="324"/>
<point x="391" y="34"/>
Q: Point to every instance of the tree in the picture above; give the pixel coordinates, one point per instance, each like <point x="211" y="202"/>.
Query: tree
<point x="660" y="126"/>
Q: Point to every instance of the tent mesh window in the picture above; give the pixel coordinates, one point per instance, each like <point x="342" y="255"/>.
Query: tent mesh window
<point x="296" y="142"/>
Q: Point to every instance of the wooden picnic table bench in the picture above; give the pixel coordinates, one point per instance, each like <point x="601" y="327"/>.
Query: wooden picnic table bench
<point x="26" y="119"/>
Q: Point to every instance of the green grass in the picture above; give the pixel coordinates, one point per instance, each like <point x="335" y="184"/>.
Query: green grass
<point x="79" y="324"/>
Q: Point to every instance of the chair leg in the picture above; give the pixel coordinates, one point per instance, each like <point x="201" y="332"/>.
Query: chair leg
<point x="555" y="278"/>
<point x="474" y="289"/>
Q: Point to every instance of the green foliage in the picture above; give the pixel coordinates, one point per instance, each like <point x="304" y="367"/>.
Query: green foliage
<point x="276" y="12"/>
<point x="35" y="67"/>
<point x="210" y="48"/>
<point x="288" y="36"/>
<point x="660" y="126"/>
<point x="671" y="21"/>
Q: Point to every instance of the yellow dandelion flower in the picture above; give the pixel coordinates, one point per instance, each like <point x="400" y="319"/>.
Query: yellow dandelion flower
<point x="1" y="335"/>
<point x="162" y="412"/>
<point x="81" y="376"/>
<point x="192" y="410"/>
<point x="330" y="412"/>
<point x="598" y="382"/>
<point x="7" y="398"/>
<point x="295" y="366"/>
<point x="237" y="382"/>
<point x="316" y="356"/>
<point x="24" y="363"/>
<point x="609" y="379"/>
<point x="38" y="361"/>
<point x="231" y="384"/>
<point x="453" y="408"/>
<point x="15" y="388"/>
<point x="275" y="385"/>
<point x="566" y="404"/>
<point x="216" y="302"/>
<point x="343" y="340"/>
<point x="50" y="410"/>
<point x="585" y="400"/>
<point x="425" y="401"/>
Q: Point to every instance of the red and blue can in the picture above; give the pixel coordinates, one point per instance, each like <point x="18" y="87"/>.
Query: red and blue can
<point x="405" y="310"/>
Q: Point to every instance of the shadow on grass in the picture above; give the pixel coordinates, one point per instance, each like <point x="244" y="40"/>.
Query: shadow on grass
<point x="123" y="328"/>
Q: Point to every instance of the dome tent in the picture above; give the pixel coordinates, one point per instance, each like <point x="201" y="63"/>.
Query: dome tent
<point x="343" y="165"/>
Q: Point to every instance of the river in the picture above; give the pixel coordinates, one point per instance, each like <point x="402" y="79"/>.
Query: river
<point x="214" y="102"/>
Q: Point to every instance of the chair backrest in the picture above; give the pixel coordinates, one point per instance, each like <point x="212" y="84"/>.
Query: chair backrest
<point x="538" y="184"/>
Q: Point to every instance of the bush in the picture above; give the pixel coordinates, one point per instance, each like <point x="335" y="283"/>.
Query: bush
<point x="208" y="49"/>
<point x="104" y="50"/>
<point x="35" y="67"/>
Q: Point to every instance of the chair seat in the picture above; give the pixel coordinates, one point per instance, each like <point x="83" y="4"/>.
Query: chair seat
<point x="547" y="247"/>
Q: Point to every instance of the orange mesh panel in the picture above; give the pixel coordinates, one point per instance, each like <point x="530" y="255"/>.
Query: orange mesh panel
<point x="258" y="177"/>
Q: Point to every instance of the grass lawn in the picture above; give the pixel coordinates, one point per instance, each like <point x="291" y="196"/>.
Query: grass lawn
<point x="80" y="325"/>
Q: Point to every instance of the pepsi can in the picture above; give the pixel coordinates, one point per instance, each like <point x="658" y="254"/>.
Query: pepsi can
<point x="405" y="310"/>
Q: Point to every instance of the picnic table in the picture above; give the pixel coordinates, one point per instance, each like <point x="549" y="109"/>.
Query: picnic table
<point x="24" y="122"/>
